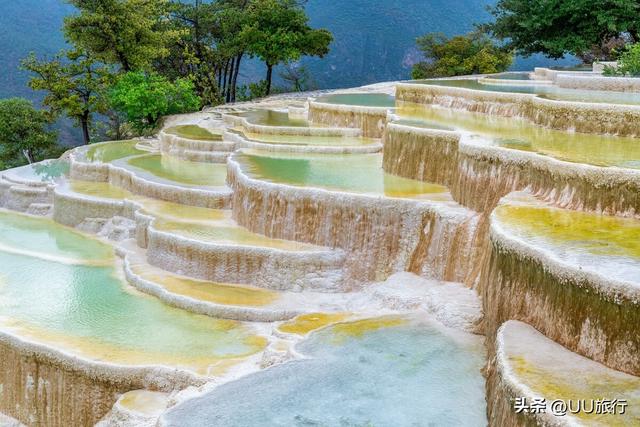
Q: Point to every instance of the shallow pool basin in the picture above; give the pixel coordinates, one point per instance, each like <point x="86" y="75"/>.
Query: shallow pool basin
<point x="521" y="134"/>
<point x="543" y="90"/>
<point x="382" y="372"/>
<point x="360" y="99"/>
<point x="181" y="171"/>
<point x="357" y="173"/>
<point x="63" y="289"/>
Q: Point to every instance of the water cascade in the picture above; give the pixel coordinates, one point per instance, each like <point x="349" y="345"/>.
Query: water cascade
<point x="399" y="254"/>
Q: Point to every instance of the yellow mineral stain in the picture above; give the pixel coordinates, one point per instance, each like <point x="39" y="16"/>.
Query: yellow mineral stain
<point x="178" y="212"/>
<point x="598" y="234"/>
<point x="151" y="403"/>
<point x="218" y="293"/>
<point x="358" y="328"/>
<point x="308" y="140"/>
<point x="98" y="189"/>
<point x="227" y="234"/>
<point x="97" y="350"/>
<point x="194" y="132"/>
<point x="520" y="134"/>
<point x="305" y="323"/>
<point x="577" y="385"/>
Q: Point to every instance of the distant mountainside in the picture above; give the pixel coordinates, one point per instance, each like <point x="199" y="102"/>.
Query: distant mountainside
<point x="374" y="39"/>
<point x="25" y="26"/>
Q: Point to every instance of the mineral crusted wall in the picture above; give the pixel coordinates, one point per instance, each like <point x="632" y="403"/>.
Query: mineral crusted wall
<point x="422" y="154"/>
<point x="380" y="236"/>
<point x="371" y="120"/>
<point x="274" y="269"/>
<point x="500" y="399"/>
<point x="478" y="176"/>
<point x="38" y="386"/>
<point x="242" y="142"/>
<point x="290" y="130"/>
<point x="195" y="150"/>
<point x="623" y="120"/>
<point x="617" y="84"/>
<point x="71" y="210"/>
<point x="584" y="312"/>
<point x="215" y="198"/>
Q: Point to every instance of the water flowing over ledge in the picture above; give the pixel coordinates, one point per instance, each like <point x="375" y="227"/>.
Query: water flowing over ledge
<point x="622" y="120"/>
<point x="289" y="130"/>
<point x="371" y="120"/>
<point x="380" y="235"/>
<point x="118" y="174"/>
<point x="480" y="175"/>
<point x="548" y="257"/>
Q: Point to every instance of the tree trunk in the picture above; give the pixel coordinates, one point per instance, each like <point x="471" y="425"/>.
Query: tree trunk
<point x="232" y="69"/>
<point x="84" y="121"/>
<point x="223" y="89"/>
<point x="27" y="154"/>
<point x="269" y="77"/>
<point x="234" y="82"/>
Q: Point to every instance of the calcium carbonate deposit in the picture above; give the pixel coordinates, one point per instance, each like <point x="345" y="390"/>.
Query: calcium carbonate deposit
<point x="460" y="252"/>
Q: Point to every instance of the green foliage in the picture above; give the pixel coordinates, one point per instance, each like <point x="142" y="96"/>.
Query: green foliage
<point x="130" y="33"/>
<point x="145" y="97"/>
<point x="252" y="91"/>
<point x="474" y="53"/>
<point x="277" y="31"/>
<point x="628" y="63"/>
<point x="585" y="28"/>
<point x="194" y="54"/>
<point x="24" y="133"/>
<point x="75" y="84"/>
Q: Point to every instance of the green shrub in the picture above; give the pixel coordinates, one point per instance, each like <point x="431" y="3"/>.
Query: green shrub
<point x="474" y="53"/>
<point x="145" y="97"/>
<point x="628" y="63"/>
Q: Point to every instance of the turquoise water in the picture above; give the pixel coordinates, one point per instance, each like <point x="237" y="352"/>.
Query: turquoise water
<point x="181" y="171"/>
<point x="544" y="91"/>
<point x="359" y="173"/>
<point x="512" y="76"/>
<point x="46" y="171"/>
<point x="19" y="233"/>
<point x="84" y="307"/>
<point x="406" y="375"/>
<point x="360" y="99"/>
<point x="108" y="152"/>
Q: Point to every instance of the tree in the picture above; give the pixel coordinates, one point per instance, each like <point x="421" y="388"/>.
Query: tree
<point x="210" y="49"/>
<point x="25" y="136"/>
<point x="277" y="31"/>
<point x="628" y="63"/>
<point x="297" y="76"/>
<point x="474" y="53"/>
<point x="145" y="97"/>
<point x="585" y="28"/>
<point x="130" y="33"/>
<point x="75" y="84"/>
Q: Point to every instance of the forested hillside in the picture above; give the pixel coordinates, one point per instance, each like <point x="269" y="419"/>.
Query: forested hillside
<point x="374" y="39"/>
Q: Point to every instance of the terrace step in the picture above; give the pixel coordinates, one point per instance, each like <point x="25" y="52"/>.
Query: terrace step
<point x="537" y="381"/>
<point x="221" y="300"/>
<point x="573" y="275"/>
<point x="226" y="252"/>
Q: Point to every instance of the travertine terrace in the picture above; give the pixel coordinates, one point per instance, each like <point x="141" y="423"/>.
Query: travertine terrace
<point x="254" y="258"/>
